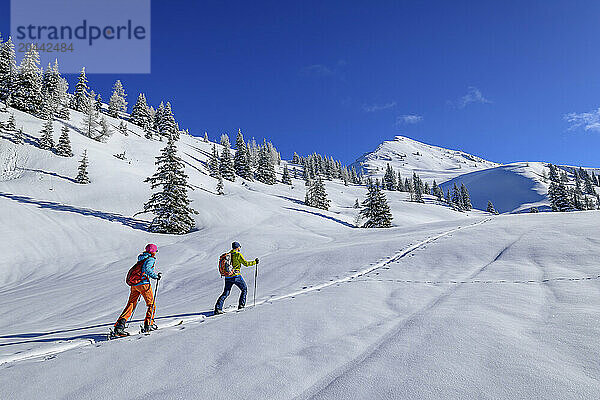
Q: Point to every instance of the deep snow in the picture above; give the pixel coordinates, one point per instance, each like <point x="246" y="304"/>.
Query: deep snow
<point x="443" y="305"/>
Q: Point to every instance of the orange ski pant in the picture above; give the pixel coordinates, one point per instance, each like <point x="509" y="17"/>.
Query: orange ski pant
<point x="146" y="292"/>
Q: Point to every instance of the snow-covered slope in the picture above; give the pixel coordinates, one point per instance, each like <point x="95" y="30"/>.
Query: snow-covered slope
<point x="406" y="156"/>
<point x="442" y="305"/>
<point x="511" y="188"/>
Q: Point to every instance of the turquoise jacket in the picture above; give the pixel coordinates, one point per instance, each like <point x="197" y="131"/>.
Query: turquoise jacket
<point x="147" y="268"/>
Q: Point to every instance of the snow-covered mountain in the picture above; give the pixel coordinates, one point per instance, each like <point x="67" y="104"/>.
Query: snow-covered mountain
<point x="430" y="162"/>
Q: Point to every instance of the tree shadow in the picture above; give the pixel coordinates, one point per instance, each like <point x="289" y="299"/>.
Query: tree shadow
<point x="339" y="221"/>
<point x="127" y="221"/>
<point x="290" y="199"/>
<point x="38" y="337"/>
<point x="49" y="173"/>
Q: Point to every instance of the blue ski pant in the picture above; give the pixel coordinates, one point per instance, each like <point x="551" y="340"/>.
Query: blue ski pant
<point x="229" y="282"/>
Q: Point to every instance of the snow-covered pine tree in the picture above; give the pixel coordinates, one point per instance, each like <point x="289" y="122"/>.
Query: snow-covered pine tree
<point x="490" y="208"/>
<point x="285" y="178"/>
<point x="18" y="137"/>
<point x="418" y="188"/>
<point x="220" y="186"/>
<point x="82" y="173"/>
<point x="117" y="103"/>
<point x="11" y="125"/>
<point x="8" y="69"/>
<point x="241" y="159"/>
<point x="316" y="196"/>
<point x="90" y="118"/>
<point x="465" y="198"/>
<point x="51" y="96"/>
<point x="295" y="158"/>
<point x="448" y="198"/>
<point x="400" y="187"/>
<point x="27" y="94"/>
<point x="63" y="148"/>
<point x="226" y="169"/>
<point x="265" y="171"/>
<point x="168" y="126"/>
<point x="158" y="115"/>
<point x="456" y="198"/>
<point x="123" y="128"/>
<point x="205" y="137"/>
<point x="389" y="178"/>
<point x="140" y="114"/>
<point x="213" y="163"/>
<point x="356" y="204"/>
<point x="81" y="96"/>
<point x="98" y="102"/>
<point x="170" y="204"/>
<point x="105" y="132"/>
<point x="225" y="140"/>
<point x="46" y="141"/>
<point x="559" y="197"/>
<point x="375" y="208"/>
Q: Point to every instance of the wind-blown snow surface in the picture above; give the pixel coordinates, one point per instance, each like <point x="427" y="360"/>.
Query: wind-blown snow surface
<point x="443" y="305"/>
<point x="406" y="156"/>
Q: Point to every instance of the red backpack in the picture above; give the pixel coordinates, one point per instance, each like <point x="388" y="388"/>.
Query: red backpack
<point x="135" y="275"/>
<point x="225" y="267"/>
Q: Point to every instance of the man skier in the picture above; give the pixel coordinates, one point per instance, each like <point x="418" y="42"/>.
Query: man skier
<point x="143" y="288"/>
<point x="237" y="259"/>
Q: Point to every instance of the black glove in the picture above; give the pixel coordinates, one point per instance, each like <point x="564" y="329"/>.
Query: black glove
<point x="256" y="260"/>
<point x="159" y="276"/>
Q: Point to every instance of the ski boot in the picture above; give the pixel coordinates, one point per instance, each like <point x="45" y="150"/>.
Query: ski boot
<point x="147" y="328"/>
<point x="119" y="329"/>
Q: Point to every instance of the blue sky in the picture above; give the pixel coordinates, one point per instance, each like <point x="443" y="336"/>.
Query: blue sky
<point x="492" y="78"/>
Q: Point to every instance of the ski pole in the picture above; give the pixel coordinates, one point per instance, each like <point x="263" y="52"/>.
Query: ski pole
<point x="255" y="276"/>
<point x="155" y="297"/>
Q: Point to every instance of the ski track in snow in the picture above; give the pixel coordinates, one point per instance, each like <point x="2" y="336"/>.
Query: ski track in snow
<point x="63" y="346"/>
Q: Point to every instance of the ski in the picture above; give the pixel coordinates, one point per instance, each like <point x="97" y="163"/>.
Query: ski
<point x="169" y="324"/>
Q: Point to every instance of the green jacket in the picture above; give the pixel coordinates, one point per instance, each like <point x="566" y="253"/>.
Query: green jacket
<point x="237" y="259"/>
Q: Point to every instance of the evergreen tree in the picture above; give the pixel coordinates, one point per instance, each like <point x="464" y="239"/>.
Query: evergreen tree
<point x="90" y="118"/>
<point x="82" y="174"/>
<point x="225" y="140"/>
<point x="158" y="116"/>
<point x="98" y="102"/>
<point x="105" y="132"/>
<point x="171" y="204"/>
<point x="418" y="188"/>
<point x="356" y="204"/>
<point x="140" y="114"/>
<point x="285" y="178"/>
<point x="316" y="196"/>
<point x="18" y="136"/>
<point x="534" y="210"/>
<point x="81" y="95"/>
<point x="375" y="208"/>
<point x="220" y="186"/>
<point x="123" y="128"/>
<point x="265" y="171"/>
<point x="11" y="125"/>
<point x="490" y="208"/>
<point x="8" y="69"/>
<point x="46" y="141"/>
<point x="51" y="91"/>
<point x="559" y="197"/>
<point x="205" y="137"/>
<point x="448" y="198"/>
<point x="167" y="125"/>
<point x="27" y="94"/>
<point x="213" y="164"/>
<point x="456" y="198"/>
<point x="295" y="159"/>
<point x="117" y="103"/>
<point x="241" y="159"/>
<point x="389" y="179"/>
<point x="465" y="199"/>
<point x="64" y="143"/>
<point x="226" y="169"/>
